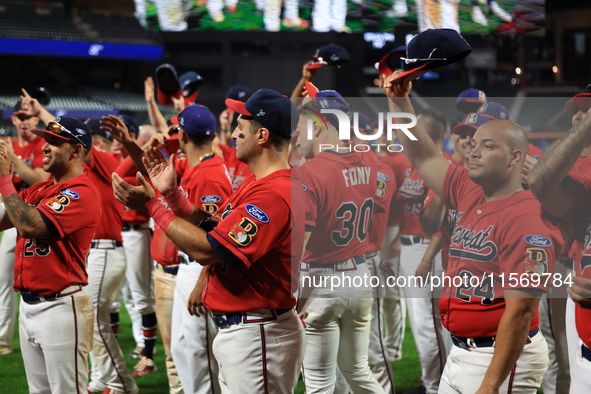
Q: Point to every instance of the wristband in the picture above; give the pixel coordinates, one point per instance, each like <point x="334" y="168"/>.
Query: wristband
<point x="6" y="186"/>
<point x="162" y="216"/>
<point x="179" y="205"/>
<point x="427" y="261"/>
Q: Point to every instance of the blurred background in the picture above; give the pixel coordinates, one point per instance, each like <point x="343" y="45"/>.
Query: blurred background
<point x="94" y="55"/>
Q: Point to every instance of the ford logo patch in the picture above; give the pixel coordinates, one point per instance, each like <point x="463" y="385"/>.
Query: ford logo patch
<point x="257" y="213"/>
<point x="383" y="176"/>
<point x="70" y="193"/>
<point x="211" y="199"/>
<point x="538" y="240"/>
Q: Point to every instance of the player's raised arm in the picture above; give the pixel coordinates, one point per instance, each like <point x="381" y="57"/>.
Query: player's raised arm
<point x="548" y="180"/>
<point x="422" y="152"/>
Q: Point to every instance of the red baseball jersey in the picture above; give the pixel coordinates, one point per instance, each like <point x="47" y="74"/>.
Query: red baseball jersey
<point x="99" y="170"/>
<point x="237" y="170"/>
<point x="399" y="163"/>
<point x="340" y="192"/>
<point x="46" y="266"/>
<point x="449" y="157"/>
<point x="260" y="237"/>
<point x="534" y="151"/>
<point x="31" y="154"/>
<point x="505" y="238"/>
<point x="385" y="191"/>
<point x="127" y="171"/>
<point x="578" y="222"/>
<point x="412" y="194"/>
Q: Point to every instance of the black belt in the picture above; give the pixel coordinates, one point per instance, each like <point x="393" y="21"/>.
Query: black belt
<point x="586" y="352"/>
<point x="230" y="318"/>
<point x="468" y="343"/>
<point x="358" y="260"/>
<point x="129" y="227"/>
<point x="32" y="298"/>
<point x="95" y="244"/>
<point x="170" y="269"/>
<point x="407" y="241"/>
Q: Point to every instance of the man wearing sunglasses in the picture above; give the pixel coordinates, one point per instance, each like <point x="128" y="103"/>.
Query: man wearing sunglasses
<point x="56" y="221"/>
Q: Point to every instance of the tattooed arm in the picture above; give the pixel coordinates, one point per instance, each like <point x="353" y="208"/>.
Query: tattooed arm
<point x="431" y="218"/>
<point x="548" y="180"/>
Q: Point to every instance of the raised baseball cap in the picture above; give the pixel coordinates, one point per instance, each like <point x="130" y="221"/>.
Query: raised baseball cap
<point x="190" y="83"/>
<point x="42" y="95"/>
<point x="95" y="129"/>
<point x="168" y="84"/>
<point x="470" y="100"/>
<point x="390" y="62"/>
<point x="470" y="123"/>
<point x="273" y="110"/>
<point x="196" y="120"/>
<point x="238" y="92"/>
<point x="431" y="49"/>
<point x="493" y="110"/>
<point x="69" y="129"/>
<point x="580" y="102"/>
<point x="328" y="99"/>
<point x="329" y="55"/>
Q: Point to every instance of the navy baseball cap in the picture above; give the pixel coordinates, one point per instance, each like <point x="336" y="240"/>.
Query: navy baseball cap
<point x="69" y="129"/>
<point x="471" y="123"/>
<point x="580" y="102"/>
<point x="329" y="55"/>
<point x="493" y="110"/>
<point x="196" y="119"/>
<point x="390" y="62"/>
<point x="132" y="124"/>
<point x="238" y="92"/>
<point x="42" y="95"/>
<point x="470" y="100"/>
<point x="328" y="99"/>
<point x="95" y="128"/>
<point x="431" y="49"/>
<point x="273" y="110"/>
<point x="168" y="85"/>
<point x="363" y="122"/>
<point x="190" y="83"/>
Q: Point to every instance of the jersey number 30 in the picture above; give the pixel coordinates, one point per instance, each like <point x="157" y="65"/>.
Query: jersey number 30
<point x="36" y="246"/>
<point x="352" y="225"/>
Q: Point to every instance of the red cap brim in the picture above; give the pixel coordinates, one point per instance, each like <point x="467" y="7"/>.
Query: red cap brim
<point x="173" y="137"/>
<point x="44" y="133"/>
<point x="409" y="74"/>
<point x="383" y="68"/>
<point x="166" y="99"/>
<point x="237" y="106"/>
<point x="314" y="66"/>
<point x="190" y="100"/>
<point x="457" y="129"/>
<point x="582" y="100"/>
<point x="311" y="89"/>
<point x="174" y="120"/>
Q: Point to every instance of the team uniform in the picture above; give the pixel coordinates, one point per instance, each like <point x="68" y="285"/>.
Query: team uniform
<point x="32" y="155"/>
<point x="237" y="170"/>
<point x="500" y="237"/>
<point x="429" y="334"/>
<point x="56" y="313"/>
<point x="340" y="194"/>
<point x="207" y="186"/>
<point x="260" y="343"/>
<point x="106" y="265"/>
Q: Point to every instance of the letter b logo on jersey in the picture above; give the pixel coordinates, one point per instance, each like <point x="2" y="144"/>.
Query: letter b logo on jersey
<point x="243" y="232"/>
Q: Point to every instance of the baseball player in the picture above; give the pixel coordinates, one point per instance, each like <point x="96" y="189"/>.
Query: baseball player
<point x="27" y="157"/>
<point x="340" y="191"/>
<point x="55" y="230"/>
<point x="494" y="326"/>
<point x="563" y="198"/>
<point x="251" y="252"/>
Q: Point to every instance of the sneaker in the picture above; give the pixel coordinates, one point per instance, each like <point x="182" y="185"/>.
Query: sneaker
<point x="137" y="352"/>
<point x="145" y="367"/>
<point x="478" y="16"/>
<point x="498" y="11"/>
<point x="296" y="22"/>
<point x="4" y="349"/>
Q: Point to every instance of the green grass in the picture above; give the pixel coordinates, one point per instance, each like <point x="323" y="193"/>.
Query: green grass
<point x="13" y="379"/>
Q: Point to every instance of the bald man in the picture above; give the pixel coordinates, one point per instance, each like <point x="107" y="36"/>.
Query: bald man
<point x="499" y="235"/>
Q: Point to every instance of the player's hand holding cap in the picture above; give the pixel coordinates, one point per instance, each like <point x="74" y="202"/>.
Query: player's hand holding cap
<point x="168" y="84"/>
<point x="470" y="100"/>
<point x="580" y="102"/>
<point x="68" y="129"/>
<point x="390" y="62"/>
<point x="431" y="49"/>
<point x="329" y="55"/>
<point x="273" y="110"/>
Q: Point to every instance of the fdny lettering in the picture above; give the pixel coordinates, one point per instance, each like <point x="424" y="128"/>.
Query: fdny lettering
<point x="356" y="176"/>
<point x="243" y="232"/>
<point x="463" y="238"/>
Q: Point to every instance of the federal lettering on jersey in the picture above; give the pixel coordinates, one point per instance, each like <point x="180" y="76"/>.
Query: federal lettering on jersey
<point x="257" y="213"/>
<point x="70" y="193"/>
<point x="58" y="203"/>
<point x="467" y="244"/>
<point x="243" y="232"/>
<point x="411" y="187"/>
<point x="357" y="176"/>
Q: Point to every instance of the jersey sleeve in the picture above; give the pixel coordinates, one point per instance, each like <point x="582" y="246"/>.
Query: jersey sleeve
<point x="576" y="219"/>
<point x="253" y="228"/>
<point x="210" y="196"/>
<point x="70" y="210"/>
<point x="386" y="187"/>
<point x="528" y="247"/>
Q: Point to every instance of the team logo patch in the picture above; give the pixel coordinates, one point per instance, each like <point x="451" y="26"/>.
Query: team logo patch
<point x="257" y="213"/>
<point x="211" y="199"/>
<point x="58" y="203"/>
<point x="383" y="176"/>
<point x="538" y="240"/>
<point x="243" y="232"/>
<point x="70" y="193"/>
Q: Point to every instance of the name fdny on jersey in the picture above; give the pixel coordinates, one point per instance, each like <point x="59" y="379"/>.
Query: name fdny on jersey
<point x="356" y="176"/>
<point x="465" y="240"/>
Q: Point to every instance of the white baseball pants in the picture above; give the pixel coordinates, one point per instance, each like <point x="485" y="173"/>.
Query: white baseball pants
<point x="7" y="294"/>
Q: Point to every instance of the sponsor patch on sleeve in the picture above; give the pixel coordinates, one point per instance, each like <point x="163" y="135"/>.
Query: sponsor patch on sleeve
<point x="257" y="213"/>
<point x="70" y="193"/>
<point x="538" y="240"/>
<point x="383" y="176"/>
